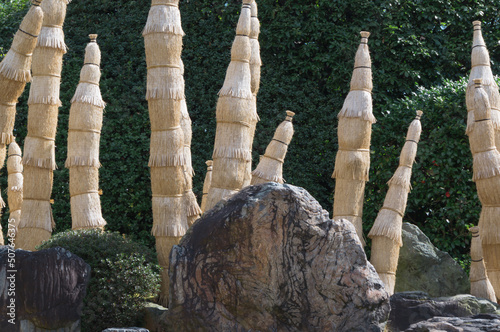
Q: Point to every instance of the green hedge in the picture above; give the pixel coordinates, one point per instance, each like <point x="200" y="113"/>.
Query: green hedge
<point x="307" y="49"/>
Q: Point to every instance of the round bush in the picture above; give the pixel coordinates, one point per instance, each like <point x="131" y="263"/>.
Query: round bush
<point x="124" y="274"/>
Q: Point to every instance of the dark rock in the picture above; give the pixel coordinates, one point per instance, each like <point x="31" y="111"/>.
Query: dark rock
<point x="270" y="259"/>
<point x="153" y="315"/>
<point x="48" y="288"/>
<point x="125" y="329"/>
<point x="423" y="267"/>
<point x="477" y="323"/>
<point x="411" y="307"/>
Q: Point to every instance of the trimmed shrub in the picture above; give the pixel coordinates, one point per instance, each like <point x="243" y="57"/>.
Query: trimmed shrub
<point x="124" y="274"/>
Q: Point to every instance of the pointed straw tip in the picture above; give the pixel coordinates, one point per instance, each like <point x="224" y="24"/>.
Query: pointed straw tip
<point x="364" y="34"/>
<point x="209" y="163"/>
<point x="93" y="37"/>
<point x="419" y="114"/>
<point x="474" y="229"/>
<point x="290" y="113"/>
<point x="476" y="23"/>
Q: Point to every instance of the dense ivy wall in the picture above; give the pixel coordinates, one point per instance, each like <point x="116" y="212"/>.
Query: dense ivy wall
<point x="308" y="52"/>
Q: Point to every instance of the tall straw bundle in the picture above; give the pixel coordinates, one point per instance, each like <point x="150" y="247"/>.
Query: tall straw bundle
<point x="386" y="231"/>
<point x="270" y="167"/>
<point x="15" y="183"/>
<point x="236" y="117"/>
<point x="206" y="184"/>
<point x="486" y="174"/>
<point x="352" y="162"/>
<point x="481" y="68"/>
<point x="15" y="72"/>
<point x="84" y="133"/>
<point x="192" y="208"/>
<point x="165" y="95"/>
<point x="39" y="146"/>
<point x="480" y="285"/>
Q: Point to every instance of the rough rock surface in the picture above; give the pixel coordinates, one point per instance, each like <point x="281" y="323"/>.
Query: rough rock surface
<point x="423" y="267"/>
<point x="477" y="323"/>
<point x="49" y="288"/>
<point x="270" y="259"/>
<point x="411" y="307"/>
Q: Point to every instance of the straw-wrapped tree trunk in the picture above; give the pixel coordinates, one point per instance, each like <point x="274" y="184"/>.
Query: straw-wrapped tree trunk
<point x="206" y="184"/>
<point x="486" y="175"/>
<point x="480" y="285"/>
<point x="236" y="117"/>
<point x="386" y="231"/>
<point x="481" y="68"/>
<point x="193" y="210"/>
<point x="14" y="74"/>
<point x="165" y="92"/>
<point x="270" y="167"/>
<point x="352" y="163"/>
<point x="15" y="183"/>
<point x="39" y="146"/>
<point x="84" y="133"/>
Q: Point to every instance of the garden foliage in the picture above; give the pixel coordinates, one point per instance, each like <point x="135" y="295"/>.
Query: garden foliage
<point x="420" y="53"/>
<point x="124" y="275"/>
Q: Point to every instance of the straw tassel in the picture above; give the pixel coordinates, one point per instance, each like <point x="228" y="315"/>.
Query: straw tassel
<point x="270" y="167"/>
<point x="39" y="147"/>
<point x="236" y="117"/>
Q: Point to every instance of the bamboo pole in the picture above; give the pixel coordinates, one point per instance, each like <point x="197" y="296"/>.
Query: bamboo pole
<point x="236" y="117"/>
<point x="481" y="68"/>
<point x="486" y="174"/>
<point x="165" y="94"/>
<point x="352" y="162"/>
<point x="270" y="167"/>
<point x="84" y="133"/>
<point x="480" y="285"/>
<point x="39" y="146"/>
<point x="15" y="183"/>
<point x="386" y="231"/>
<point x="206" y="184"/>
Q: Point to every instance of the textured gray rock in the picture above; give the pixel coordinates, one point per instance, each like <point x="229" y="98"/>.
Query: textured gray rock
<point x="153" y="315"/>
<point x="423" y="267"/>
<point x="411" y="307"/>
<point x="477" y="323"/>
<point x="270" y="259"/>
<point x="126" y="329"/>
<point x="47" y="287"/>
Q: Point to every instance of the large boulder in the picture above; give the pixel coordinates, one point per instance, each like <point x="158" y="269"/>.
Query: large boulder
<point x="409" y="308"/>
<point x="47" y="288"/>
<point x="270" y="259"/>
<point x="423" y="267"/>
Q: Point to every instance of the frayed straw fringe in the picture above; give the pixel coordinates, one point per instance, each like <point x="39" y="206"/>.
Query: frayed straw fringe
<point x="358" y="104"/>
<point x="82" y="161"/>
<point x="192" y="207"/>
<point x="263" y="177"/>
<point x="489" y="228"/>
<point x="46" y="100"/>
<point x="165" y="93"/>
<point x="37" y="214"/>
<point x="235" y="92"/>
<point x="387" y="224"/>
<point x="16" y="189"/>
<point x="173" y="159"/>
<point x="163" y="28"/>
<point x="86" y="211"/>
<point x="88" y="94"/>
<point x="18" y="73"/>
<point x="402" y="177"/>
<point x="30" y="237"/>
<point x="232" y="153"/>
<point x="47" y="163"/>
<point x="52" y="37"/>
<point x="169" y="217"/>
<point x="352" y="165"/>
<point x="6" y="138"/>
<point x="486" y="165"/>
